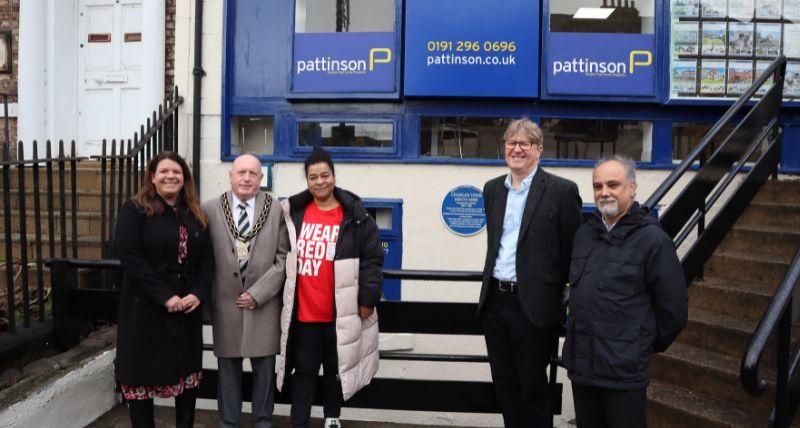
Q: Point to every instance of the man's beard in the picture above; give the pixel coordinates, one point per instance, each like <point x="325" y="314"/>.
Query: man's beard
<point x="608" y="207"/>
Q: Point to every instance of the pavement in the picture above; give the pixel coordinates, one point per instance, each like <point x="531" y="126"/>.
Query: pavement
<point x="165" y="417"/>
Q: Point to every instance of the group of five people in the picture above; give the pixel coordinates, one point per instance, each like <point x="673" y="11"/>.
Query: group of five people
<point x="301" y="278"/>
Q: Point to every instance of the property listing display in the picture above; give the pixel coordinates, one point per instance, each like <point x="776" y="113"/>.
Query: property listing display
<point x="471" y="48"/>
<point x="719" y="47"/>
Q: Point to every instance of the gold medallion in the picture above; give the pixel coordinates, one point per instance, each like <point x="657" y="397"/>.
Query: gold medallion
<point x="242" y="250"/>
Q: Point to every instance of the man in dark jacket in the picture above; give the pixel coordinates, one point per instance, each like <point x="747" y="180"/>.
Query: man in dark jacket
<point x="531" y="216"/>
<point x="627" y="300"/>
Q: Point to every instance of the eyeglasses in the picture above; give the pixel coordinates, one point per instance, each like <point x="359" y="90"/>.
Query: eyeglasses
<point x="523" y="145"/>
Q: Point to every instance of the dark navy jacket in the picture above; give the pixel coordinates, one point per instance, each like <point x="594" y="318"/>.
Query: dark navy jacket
<point x="627" y="300"/>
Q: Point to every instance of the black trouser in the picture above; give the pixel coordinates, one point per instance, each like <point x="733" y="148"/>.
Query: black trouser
<point x="597" y="407"/>
<point x="519" y="354"/>
<point x="141" y="411"/>
<point x="314" y="344"/>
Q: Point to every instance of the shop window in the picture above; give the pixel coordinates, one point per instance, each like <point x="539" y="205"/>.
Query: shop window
<point x="343" y="16"/>
<point x="463" y="137"/>
<point x="362" y="135"/>
<point x="593" y="138"/>
<point x="718" y="48"/>
<point x="687" y="135"/>
<point x="612" y="16"/>
<point x="253" y="134"/>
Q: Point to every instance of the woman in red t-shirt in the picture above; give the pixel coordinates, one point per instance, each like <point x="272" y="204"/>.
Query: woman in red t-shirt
<point x="333" y="284"/>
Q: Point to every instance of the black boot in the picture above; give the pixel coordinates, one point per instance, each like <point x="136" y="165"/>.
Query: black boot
<point x="184" y="408"/>
<point x="141" y="412"/>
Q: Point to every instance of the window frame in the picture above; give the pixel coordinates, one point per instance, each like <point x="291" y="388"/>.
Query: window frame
<point x="393" y="152"/>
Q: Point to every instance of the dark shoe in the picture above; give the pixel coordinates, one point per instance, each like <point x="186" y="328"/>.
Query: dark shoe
<point x="141" y="412"/>
<point x="184" y="408"/>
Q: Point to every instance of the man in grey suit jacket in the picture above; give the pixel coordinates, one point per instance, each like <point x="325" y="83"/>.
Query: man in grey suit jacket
<point x="250" y="245"/>
<point x="531" y="217"/>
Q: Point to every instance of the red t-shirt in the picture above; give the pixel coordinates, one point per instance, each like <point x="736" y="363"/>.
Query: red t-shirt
<point x="316" y="246"/>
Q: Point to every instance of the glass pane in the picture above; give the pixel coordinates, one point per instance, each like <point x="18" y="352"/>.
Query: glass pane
<point x="345" y="134"/>
<point x="718" y="48"/>
<point x="253" y="134"/>
<point x="593" y="138"/>
<point x="463" y="137"/>
<point x="613" y="16"/>
<point x="343" y="16"/>
<point x="686" y="136"/>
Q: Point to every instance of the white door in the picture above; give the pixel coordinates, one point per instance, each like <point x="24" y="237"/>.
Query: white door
<point x="109" y="72"/>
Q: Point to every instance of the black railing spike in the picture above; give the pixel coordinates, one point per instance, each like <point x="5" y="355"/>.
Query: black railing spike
<point x="51" y="222"/>
<point x="129" y="171"/>
<point x="37" y="218"/>
<point x="103" y="163"/>
<point x="23" y="238"/>
<point x="62" y="198"/>
<point x="73" y="167"/>
<point x="9" y="259"/>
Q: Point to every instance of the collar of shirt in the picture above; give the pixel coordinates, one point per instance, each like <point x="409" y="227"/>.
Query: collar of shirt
<point x="526" y="183"/>
<point x="251" y="207"/>
<point x="608" y="226"/>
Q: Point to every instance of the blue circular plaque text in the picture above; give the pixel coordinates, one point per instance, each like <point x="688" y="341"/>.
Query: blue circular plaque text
<point x="462" y="210"/>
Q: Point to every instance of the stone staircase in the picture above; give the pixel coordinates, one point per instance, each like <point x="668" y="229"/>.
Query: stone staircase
<point x="88" y="212"/>
<point x="696" y="382"/>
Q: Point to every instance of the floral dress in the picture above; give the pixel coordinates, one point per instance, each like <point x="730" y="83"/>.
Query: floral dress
<point x="188" y="382"/>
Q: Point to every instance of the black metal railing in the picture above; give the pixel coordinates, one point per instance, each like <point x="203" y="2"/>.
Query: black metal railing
<point x="444" y="318"/>
<point x="121" y="168"/>
<point x="777" y="316"/>
<point x="756" y="127"/>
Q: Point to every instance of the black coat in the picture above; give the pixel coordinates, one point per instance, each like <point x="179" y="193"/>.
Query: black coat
<point x="155" y="347"/>
<point x="550" y="218"/>
<point x="627" y="299"/>
<point x="359" y="238"/>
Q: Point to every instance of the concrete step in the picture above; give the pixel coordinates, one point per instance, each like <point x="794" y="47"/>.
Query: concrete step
<point x="712" y="374"/>
<point x="717" y="332"/>
<point x="778" y="240"/>
<point x="780" y="191"/>
<point x="87" y="176"/>
<point x="731" y="298"/>
<point x="672" y="406"/>
<point x="88" y="200"/>
<point x="786" y="214"/>
<point x="88" y="222"/>
<point x="766" y="270"/>
<point x="88" y="247"/>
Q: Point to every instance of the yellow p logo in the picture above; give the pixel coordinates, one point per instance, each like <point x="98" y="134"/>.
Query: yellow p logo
<point x="642" y="63"/>
<point x="373" y="60"/>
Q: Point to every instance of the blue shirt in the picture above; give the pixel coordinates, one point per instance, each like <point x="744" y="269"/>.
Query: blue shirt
<point x="505" y="267"/>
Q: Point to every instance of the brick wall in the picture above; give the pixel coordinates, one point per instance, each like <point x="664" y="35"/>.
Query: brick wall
<point x="9" y="21"/>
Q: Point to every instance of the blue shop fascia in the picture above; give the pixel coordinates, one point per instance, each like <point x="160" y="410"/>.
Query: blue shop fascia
<point x="435" y="82"/>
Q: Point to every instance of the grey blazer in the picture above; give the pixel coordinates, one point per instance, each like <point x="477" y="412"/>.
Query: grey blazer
<point x="240" y="332"/>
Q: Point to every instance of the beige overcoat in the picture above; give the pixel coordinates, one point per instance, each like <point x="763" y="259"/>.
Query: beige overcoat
<point x="240" y="332"/>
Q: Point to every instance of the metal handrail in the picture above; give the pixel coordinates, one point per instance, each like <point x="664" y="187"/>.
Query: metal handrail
<point x="694" y="155"/>
<point x="777" y="316"/>
<point x="696" y="218"/>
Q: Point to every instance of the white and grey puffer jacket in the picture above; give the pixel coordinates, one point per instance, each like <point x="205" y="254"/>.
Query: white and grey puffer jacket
<point x="357" y="282"/>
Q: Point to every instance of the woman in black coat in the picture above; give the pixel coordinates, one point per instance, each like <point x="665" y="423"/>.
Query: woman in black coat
<point x="167" y="261"/>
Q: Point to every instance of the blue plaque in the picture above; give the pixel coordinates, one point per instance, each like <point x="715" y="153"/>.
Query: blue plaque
<point x="462" y="210"/>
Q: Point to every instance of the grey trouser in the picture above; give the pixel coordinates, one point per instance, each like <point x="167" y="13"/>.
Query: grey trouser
<point x="229" y="391"/>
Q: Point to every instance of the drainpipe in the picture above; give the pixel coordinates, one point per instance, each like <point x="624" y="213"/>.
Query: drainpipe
<point x="198" y="74"/>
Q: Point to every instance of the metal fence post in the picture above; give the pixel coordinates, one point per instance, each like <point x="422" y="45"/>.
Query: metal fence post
<point x="63" y="279"/>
